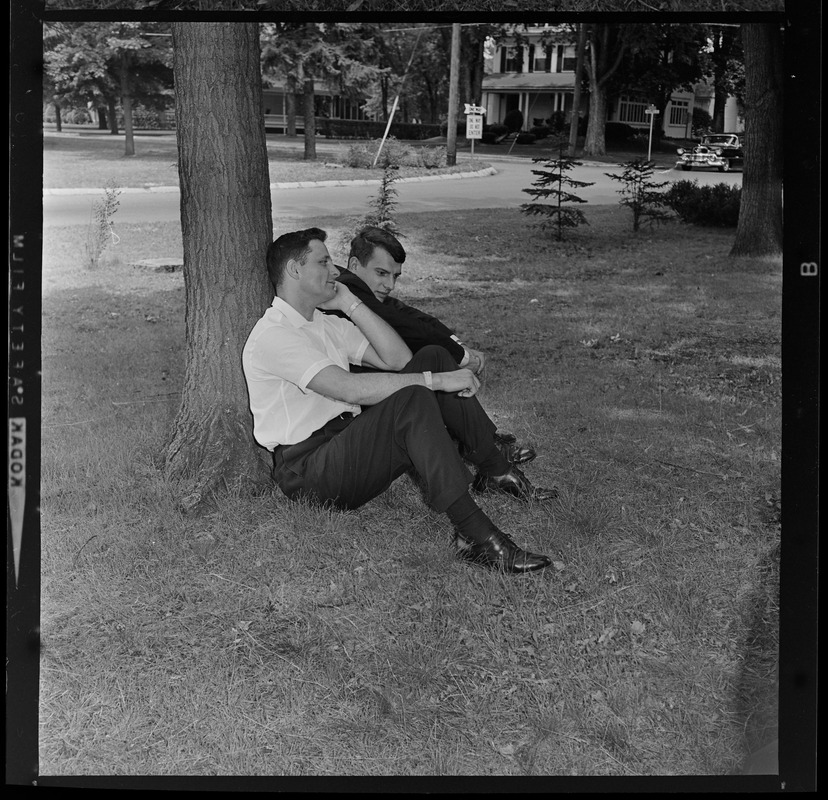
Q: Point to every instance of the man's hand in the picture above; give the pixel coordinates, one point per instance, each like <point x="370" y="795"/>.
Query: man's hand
<point x="477" y="361"/>
<point x="461" y="381"/>
<point x="341" y="301"/>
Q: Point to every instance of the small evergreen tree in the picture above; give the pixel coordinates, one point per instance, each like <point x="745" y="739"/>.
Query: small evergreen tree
<point x="640" y="193"/>
<point x="385" y="203"/>
<point x="550" y="183"/>
<point x="381" y="213"/>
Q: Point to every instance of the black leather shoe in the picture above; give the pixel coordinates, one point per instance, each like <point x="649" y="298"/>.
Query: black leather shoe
<point x="499" y="552"/>
<point x="513" y="452"/>
<point x="513" y="482"/>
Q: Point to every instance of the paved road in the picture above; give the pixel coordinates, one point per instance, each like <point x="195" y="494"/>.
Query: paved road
<point x="503" y="190"/>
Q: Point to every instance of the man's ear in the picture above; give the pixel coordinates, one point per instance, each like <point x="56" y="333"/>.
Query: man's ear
<point x="292" y="268"/>
<point x="353" y="263"/>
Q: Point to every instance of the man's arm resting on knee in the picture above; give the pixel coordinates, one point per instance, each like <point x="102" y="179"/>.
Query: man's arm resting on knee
<point x="367" y="389"/>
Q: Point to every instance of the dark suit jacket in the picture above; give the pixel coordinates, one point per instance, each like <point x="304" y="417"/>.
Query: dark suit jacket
<point x="416" y="328"/>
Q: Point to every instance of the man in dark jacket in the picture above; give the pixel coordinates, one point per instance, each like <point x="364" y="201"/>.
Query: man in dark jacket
<point x="374" y="264"/>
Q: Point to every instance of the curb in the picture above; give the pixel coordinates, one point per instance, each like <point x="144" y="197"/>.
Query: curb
<point x="289" y="185"/>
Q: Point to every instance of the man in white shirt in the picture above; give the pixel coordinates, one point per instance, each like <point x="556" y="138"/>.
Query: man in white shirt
<point x="341" y="437"/>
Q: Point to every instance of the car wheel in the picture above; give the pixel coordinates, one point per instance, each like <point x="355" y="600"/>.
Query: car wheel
<point x="725" y="167"/>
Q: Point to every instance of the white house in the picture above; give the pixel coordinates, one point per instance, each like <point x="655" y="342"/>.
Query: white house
<point x="328" y="103"/>
<point x="539" y="79"/>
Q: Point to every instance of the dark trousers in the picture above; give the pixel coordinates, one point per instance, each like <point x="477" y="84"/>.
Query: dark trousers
<point x="352" y="460"/>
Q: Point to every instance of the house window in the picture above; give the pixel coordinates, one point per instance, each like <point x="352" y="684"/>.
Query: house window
<point x="512" y="59"/>
<point x="275" y="104"/>
<point x="631" y="111"/>
<point x="542" y="58"/>
<point x="569" y="63"/>
<point x="679" y="109"/>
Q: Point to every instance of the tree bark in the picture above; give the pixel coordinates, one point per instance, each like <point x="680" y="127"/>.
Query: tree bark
<point x="226" y="227"/>
<point x="575" y="117"/>
<point x="719" y="100"/>
<point x="607" y="46"/>
<point x="58" y="120"/>
<point x="112" y="114"/>
<point x="290" y="106"/>
<point x="595" y="143"/>
<point x="309" y="109"/>
<point x="759" y="231"/>
<point x="126" y="106"/>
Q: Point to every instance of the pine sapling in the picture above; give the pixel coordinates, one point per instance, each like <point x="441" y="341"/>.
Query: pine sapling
<point x="383" y="209"/>
<point x="550" y="184"/>
<point x="641" y="194"/>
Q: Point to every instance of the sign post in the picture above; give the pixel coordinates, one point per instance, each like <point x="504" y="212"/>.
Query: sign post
<point x="651" y="112"/>
<point x="474" y="124"/>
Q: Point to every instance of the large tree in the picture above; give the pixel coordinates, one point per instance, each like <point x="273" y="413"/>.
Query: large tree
<point x="109" y="64"/>
<point x="607" y="47"/>
<point x="726" y="69"/>
<point x="759" y="231"/>
<point x="662" y="57"/>
<point x="302" y="53"/>
<point x="226" y="227"/>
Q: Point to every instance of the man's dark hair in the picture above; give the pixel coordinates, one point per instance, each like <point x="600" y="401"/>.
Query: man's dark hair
<point x="294" y="245"/>
<point x="365" y="242"/>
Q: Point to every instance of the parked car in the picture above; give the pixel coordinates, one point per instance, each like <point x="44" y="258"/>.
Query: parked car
<point x="725" y="151"/>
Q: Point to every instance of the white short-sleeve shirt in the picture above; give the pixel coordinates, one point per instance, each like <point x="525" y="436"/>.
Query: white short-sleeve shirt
<point x="281" y="356"/>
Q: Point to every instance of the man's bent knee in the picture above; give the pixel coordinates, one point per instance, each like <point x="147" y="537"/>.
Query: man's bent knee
<point x="431" y="357"/>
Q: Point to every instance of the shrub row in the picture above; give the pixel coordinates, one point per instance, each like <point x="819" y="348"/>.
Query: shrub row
<point x="394" y="154"/>
<point x="142" y="118"/>
<point x="368" y="129"/>
<point x="714" y="206"/>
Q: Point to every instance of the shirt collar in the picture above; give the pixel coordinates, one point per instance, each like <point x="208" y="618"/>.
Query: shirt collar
<point x="290" y="313"/>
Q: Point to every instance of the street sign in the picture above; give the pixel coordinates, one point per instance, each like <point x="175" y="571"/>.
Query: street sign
<point x="474" y="126"/>
<point x="472" y="109"/>
<point x="651" y="110"/>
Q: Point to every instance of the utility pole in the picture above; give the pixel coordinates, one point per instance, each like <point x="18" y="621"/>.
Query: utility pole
<point x="454" y="82"/>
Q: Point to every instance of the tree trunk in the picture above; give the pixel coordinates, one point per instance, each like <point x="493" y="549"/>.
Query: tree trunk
<point x="595" y="143"/>
<point x="384" y="97"/>
<point x="607" y="44"/>
<point x="476" y="68"/>
<point x="290" y="106"/>
<point x="309" y="112"/>
<point x="126" y="106"/>
<point x="719" y="100"/>
<point x="759" y="232"/>
<point x="226" y="227"/>
<point x="576" y="94"/>
<point x="102" y="120"/>
<point x="112" y="114"/>
<point x="58" y="120"/>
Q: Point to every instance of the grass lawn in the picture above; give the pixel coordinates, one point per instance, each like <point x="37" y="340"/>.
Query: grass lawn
<point x="269" y="638"/>
<point x="90" y="159"/>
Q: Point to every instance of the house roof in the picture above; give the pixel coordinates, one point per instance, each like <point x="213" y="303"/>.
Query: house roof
<point x="523" y="81"/>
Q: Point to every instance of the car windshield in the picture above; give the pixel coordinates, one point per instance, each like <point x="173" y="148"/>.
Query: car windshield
<point x="719" y="140"/>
